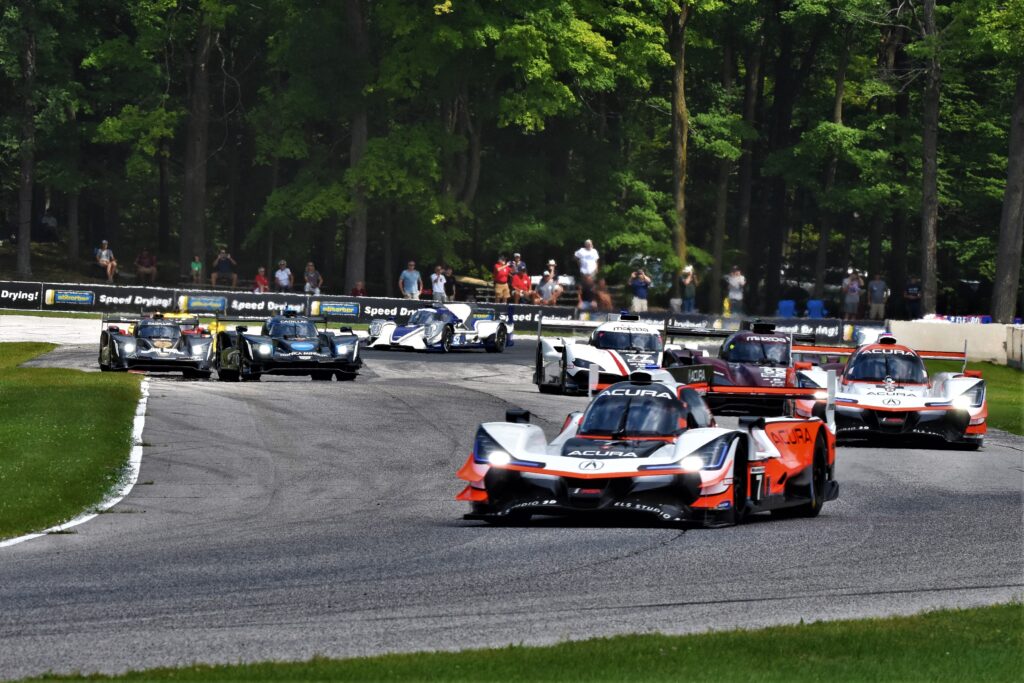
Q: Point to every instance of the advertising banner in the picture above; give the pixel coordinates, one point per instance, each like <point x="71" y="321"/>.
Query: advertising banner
<point x="105" y="298"/>
<point x="24" y="295"/>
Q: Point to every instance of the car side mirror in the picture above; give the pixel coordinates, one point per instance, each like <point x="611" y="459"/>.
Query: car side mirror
<point x="241" y="329"/>
<point x="517" y="415"/>
<point x="802" y="365"/>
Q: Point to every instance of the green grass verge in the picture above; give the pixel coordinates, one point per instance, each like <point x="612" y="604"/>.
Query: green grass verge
<point x="973" y="645"/>
<point x="1005" y="392"/>
<point x="66" y="437"/>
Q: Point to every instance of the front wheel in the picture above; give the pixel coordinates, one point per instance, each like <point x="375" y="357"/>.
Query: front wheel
<point x="500" y="341"/>
<point x="227" y="375"/>
<point x="322" y="376"/>
<point x="816" y="491"/>
<point x="345" y="376"/>
<point x="446" y="339"/>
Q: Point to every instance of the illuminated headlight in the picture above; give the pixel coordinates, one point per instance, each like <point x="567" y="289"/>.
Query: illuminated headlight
<point x="580" y="363"/>
<point x="129" y="347"/>
<point x="487" y="450"/>
<point x="691" y="463"/>
<point x="962" y="402"/>
<point x="434" y="329"/>
<point x="499" y="458"/>
<point x="343" y="349"/>
<point x="264" y="349"/>
<point x="821" y="395"/>
<point x="971" y="399"/>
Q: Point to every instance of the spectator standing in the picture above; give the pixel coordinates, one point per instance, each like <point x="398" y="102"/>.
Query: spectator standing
<point x="449" y="284"/>
<point x="912" y="298"/>
<point x="105" y="259"/>
<point x="588" y="259"/>
<point x="517" y="262"/>
<point x="852" y="287"/>
<point x="196" y="269"/>
<point x="586" y="297"/>
<point x="314" y="280"/>
<point x="521" y="284"/>
<point x="359" y="289"/>
<point x="437" y="282"/>
<point x="224" y="266"/>
<point x="688" y="284"/>
<point x="735" y="281"/>
<point x="602" y="296"/>
<point x="283" y="278"/>
<point x="502" y="275"/>
<point x="878" y="293"/>
<point x="640" y="283"/>
<point x="145" y="265"/>
<point x="260" y="283"/>
<point x="410" y="284"/>
<point x="558" y="289"/>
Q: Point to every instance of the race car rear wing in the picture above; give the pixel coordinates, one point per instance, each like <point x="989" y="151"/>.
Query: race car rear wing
<point x="845" y="351"/>
<point x="571" y="325"/>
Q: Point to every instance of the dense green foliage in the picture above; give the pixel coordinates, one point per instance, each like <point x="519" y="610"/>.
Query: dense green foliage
<point x="982" y="644"/>
<point x="524" y="125"/>
<point x="59" y="461"/>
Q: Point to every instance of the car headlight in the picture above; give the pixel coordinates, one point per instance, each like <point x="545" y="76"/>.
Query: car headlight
<point x="487" y="450"/>
<point x="710" y="456"/>
<point x="972" y="398"/>
<point x="499" y="458"/>
<point x="129" y="347"/>
<point x="580" y="363"/>
<point x="434" y="329"/>
<point x="343" y="349"/>
<point x="265" y="349"/>
<point x="805" y="383"/>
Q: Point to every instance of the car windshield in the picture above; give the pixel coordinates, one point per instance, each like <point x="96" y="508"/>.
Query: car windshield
<point x="876" y="367"/>
<point x="759" y="352"/>
<point x="159" y="332"/>
<point x="292" y="328"/>
<point x="634" y="411"/>
<point x="422" y="317"/>
<point x="627" y="341"/>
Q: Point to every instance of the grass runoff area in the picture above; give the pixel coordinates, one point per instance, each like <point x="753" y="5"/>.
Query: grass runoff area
<point x="66" y="437"/>
<point x="1005" y="392"/>
<point x="983" y="644"/>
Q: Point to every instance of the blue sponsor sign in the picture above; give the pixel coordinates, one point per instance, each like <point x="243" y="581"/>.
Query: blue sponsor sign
<point x="76" y="297"/>
<point x="202" y="304"/>
<point x="339" y="308"/>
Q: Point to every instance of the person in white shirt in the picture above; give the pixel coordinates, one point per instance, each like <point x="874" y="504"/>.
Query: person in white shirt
<point x="437" y="280"/>
<point x="736" y="282"/>
<point x="283" y="278"/>
<point x="588" y="258"/>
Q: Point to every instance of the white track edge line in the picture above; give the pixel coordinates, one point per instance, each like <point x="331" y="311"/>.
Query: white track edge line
<point x="134" y="464"/>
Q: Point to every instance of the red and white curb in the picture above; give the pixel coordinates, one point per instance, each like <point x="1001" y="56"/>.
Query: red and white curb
<point x="127" y="483"/>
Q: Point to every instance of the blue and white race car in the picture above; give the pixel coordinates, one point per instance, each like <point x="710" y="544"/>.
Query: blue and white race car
<point x="443" y="328"/>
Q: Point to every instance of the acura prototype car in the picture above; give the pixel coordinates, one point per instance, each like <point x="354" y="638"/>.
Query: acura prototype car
<point x="288" y="344"/>
<point x="443" y="328"/>
<point x="650" y="446"/>
<point x="885" y="391"/>
<point x="156" y="342"/>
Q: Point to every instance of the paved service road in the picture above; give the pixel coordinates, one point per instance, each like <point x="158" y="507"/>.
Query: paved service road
<point x="288" y="518"/>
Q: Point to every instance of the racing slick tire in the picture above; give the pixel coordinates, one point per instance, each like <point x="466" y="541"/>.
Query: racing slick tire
<point x="819" y="482"/>
<point x="446" y="339"/>
<point x="321" y="376"/>
<point x="196" y="374"/>
<point x="563" y="382"/>
<point x="740" y="476"/>
<point x="499" y="342"/>
<point x="345" y="376"/>
<point x="227" y="375"/>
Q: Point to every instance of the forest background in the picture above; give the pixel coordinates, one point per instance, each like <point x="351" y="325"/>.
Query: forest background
<point x="795" y="138"/>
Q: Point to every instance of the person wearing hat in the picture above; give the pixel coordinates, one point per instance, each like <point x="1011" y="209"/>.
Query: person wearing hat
<point x="555" y="288"/>
<point x="689" y="284"/>
<point x="521" y="284"/>
<point x="283" y="278"/>
<point x="105" y="259"/>
<point x="502" y="275"/>
<point x="517" y="263"/>
<point x="736" y="282"/>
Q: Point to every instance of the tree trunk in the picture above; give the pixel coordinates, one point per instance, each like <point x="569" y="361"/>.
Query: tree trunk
<point x="752" y="88"/>
<point x="74" y="242"/>
<point x="827" y="215"/>
<point x="389" y="252"/>
<point x="355" y="245"/>
<point x="28" y="144"/>
<point x="680" y="135"/>
<point x="193" y="228"/>
<point x="929" y="165"/>
<point x="163" y="229"/>
<point x="721" y="203"/>
<point x="1011" y="223"/>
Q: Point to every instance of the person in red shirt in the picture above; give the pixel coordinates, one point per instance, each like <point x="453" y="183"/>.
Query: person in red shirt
<point x="502" y="274"/>
<point x="260" y="282"/>
<point x="521" y="284"/>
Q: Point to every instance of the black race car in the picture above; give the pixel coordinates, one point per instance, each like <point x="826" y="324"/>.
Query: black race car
<point x="288" y="344"/>
<point x="156" y="342"/>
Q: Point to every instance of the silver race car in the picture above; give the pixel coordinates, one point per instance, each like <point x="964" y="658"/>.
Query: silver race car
<point x="156" y="342"/>
<point x="443" y="328"/>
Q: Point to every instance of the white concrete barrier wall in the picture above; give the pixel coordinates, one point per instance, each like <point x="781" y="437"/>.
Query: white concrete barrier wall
<point x="1015" y="346"/>
<point x="984" y="342"/>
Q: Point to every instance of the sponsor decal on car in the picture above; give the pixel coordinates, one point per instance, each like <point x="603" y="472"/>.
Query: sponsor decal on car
<point x="639" y="393"/>
<point x="601" y="454"/>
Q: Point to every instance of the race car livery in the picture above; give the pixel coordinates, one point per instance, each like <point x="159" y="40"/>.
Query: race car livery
<point x="650" y="446"/>
<point x="753" y="373"/>
<point x="885" y="391"/>
<point x="612" y="351"/>
<point x="288" y="344"/>
<point x="444" y="328"/>
<point x="156" y="342"/>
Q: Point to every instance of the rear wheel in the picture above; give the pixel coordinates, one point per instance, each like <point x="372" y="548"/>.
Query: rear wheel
<point x="500" y="340"/>
<point x="816" y="491"/>
<point x="740" y="476"/>
<point x="446" y="339"/>
<point x="563" y="374"/>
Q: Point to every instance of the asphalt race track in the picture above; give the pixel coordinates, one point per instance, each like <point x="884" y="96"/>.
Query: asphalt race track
<point x="290" y="518"/>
